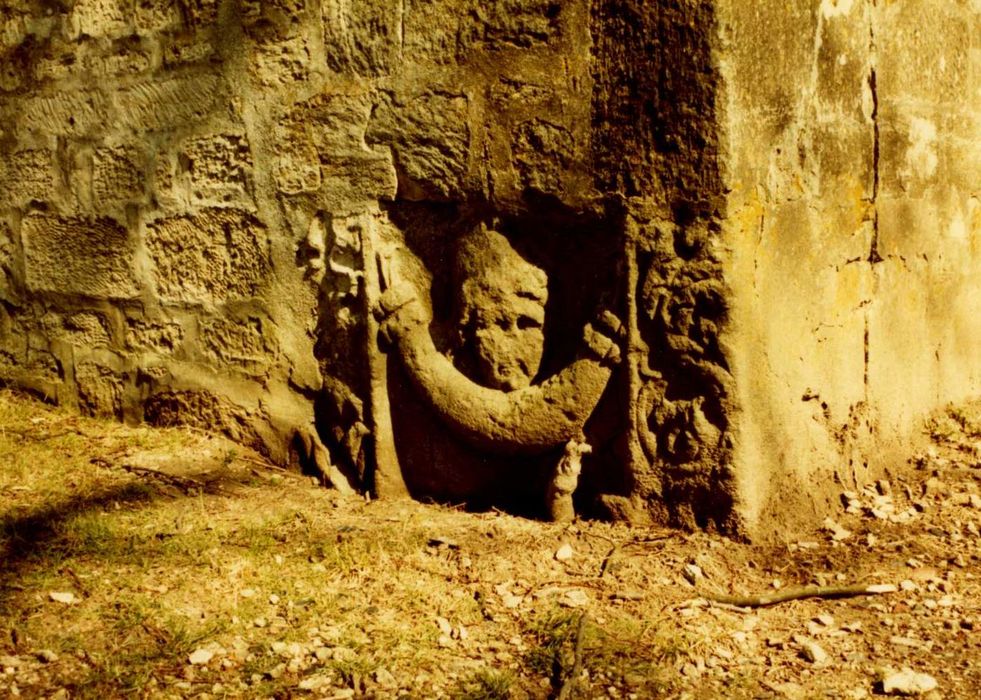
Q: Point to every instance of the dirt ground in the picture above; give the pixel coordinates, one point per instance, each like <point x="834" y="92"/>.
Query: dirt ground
<point x="171" y="563"/>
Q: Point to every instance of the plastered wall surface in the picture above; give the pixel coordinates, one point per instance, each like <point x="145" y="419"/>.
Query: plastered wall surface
<point x="854" y="221"/>
<point x="662" y="262"/>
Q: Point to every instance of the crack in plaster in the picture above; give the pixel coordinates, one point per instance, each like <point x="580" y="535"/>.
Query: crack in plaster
<point x="874" y="256"/>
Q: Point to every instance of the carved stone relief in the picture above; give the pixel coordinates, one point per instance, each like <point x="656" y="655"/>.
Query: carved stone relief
<point x="683" y="387"/>
<point x="476" y="385"/>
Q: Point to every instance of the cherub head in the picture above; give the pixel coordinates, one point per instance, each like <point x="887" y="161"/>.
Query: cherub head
<point x="500" y="309"/>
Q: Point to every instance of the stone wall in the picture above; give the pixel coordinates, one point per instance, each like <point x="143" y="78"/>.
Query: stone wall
<point x="239" y="215"/>
<point x="180" y="180"/>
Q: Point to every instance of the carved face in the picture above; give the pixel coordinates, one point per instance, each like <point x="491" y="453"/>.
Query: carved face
<point x="507" y="337"/>
<point x="502" y="311"/>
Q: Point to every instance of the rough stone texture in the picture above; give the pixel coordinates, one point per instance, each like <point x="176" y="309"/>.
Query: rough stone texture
<point x="117" y="175"/>
<point x="84" y="329"/>
<point x="168" y="104"/>
<point x="238" y="342"/>
<point x="162" y="337"/>
<point x="26" y="176"/>
<point x="684" y="261"/>
<point x="99" y="390"/>
<point x="76" y="256"/>
<point x="218" y="169"/>
<point x="215" y="256"/>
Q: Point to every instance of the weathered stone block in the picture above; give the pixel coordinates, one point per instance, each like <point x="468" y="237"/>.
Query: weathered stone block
<point x="168" y="104"/>
<point x="26" y="176"/>
<point x="272" y="20"/>
<point x="162" y="337"/>
<point x="157" y="16"/>
<point x="65" y="114"/>
<point x="237" y="343"/>
<point x="100" y="390"/>
<point x="83" y="329"/>
<point x="153" y="16"/>
<point x="363" y="39"/>
<point x="218" y="169"/>
<point x="543" y="152"/>
<point x="333" y="123"/>
<point x="350" y="182"/>
<point x="185" y="49"/>
<point x="165" y="191"/>
<point x="126" y="60"/>
<point x="88" y="257"/>
<point x="201" y="409"/>
<point x="324" y="151"/>
<point x="60" y="65"/>
<point x="282" y="62"/>
<point x="212" y="257"/>
<point x="511" y="23"/>
<point x="118" y="175"/>
<point x="444" y="31"/>
<point x="429" y="134"/>
<point x="99" y="18"/>
<point x="298" y="166"/>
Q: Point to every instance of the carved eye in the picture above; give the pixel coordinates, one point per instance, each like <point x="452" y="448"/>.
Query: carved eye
<point x="527" y="322"/>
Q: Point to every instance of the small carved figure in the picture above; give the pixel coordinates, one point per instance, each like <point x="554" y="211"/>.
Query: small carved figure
<point x="558" y="497"/>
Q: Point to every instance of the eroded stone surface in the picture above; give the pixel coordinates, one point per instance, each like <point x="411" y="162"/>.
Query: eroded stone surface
<point x="27" y="175"/>
<point x="88" y="257"/>
<point x="99" y="390"/>
<point x="238" y="343"/>
<point x="212" y="257"/>
<point x="118" y="175"/>
<point x="218" y="168"/>
<point x="84" y="329"/>
<point x="153" y="336"/>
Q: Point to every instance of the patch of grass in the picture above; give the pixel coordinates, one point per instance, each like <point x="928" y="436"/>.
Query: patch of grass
<point x="622" y="651"/>
<point x="553" y="636"/>
<point x="354" y="671"/>
<point x="486" y="684"/>
<point x="145" y="644"/>
<point x="93" y="533"/>
<point x="956" y="423"/>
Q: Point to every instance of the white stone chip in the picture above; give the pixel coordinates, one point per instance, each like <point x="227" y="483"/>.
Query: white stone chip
<point x="574" y="599"/>
<point x="907" y="682"/>
<point x="811" y="650"/>
<point x="200" y="657"/>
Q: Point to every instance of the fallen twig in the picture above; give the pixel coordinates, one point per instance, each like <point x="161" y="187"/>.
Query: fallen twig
<point x="782" y="596"/>
<point x="569" y="684"/>
<point x="182" y="482"/>
<point x="259" y="462"/>
<point x="36" y="436"/>
<point x="636" y="542"/>
<point x="78" y="582"/>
